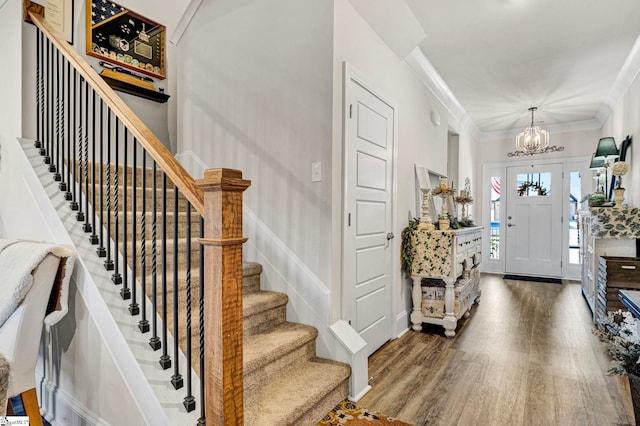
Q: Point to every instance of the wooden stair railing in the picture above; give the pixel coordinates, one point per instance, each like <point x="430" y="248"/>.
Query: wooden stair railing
<point x="217" y="198"/>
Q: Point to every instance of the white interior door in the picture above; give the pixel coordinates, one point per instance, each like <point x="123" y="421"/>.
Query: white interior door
<point x="367" y="257"/>
<point x="534" y="220"/>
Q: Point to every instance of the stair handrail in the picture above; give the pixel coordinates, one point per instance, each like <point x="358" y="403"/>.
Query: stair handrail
<point x="218" y="199"/>
<point x="167" y="162"/>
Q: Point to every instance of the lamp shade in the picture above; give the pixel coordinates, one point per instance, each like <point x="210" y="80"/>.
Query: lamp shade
<point x="596" y="163"/>
<point x="606" y="149"/>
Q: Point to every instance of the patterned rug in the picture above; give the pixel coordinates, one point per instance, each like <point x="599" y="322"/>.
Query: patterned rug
<point x="349" y="414"/>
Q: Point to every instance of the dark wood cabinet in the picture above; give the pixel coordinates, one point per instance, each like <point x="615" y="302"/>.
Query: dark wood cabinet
<point x="615" y="273"/>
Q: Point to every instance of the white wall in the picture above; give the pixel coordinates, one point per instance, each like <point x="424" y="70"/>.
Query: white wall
<point x="255" y="94"/>
<point x="418" y="140"/>
<point x="625" y="120"/>
<point x="14" y="205"/>
<point x="264" y="95"/>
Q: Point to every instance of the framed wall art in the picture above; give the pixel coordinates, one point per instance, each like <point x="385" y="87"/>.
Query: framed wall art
<point x="120" y="36"/>
<point x="59" y="13"/>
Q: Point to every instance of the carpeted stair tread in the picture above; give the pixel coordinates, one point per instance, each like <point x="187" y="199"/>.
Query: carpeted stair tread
<point x="264" y="348"/>
<point x="284" y="381"/>
<point x="289" y="398"/>
<point x="262" y="310"/>
<point x="261" y="301"/>
<point x="251" y="268"/>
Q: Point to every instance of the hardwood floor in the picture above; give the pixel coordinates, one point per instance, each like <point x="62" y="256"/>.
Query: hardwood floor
<point x="525" y="356"/>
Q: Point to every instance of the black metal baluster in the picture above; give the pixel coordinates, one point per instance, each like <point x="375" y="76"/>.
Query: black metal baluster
<point x="101" y="251"/>
<point x="202" y="420"/>
<point x="165" y="359"/>
<point x="108" y="264"/>
<point x="38" y="142"/>
<point x="189" y="400"/>
<point x="43" y="98"/>
<point x="54" y="167"/>
<point x="65" y="186"/>
<point x="81" y="145"/>
<point x="86" y="227"/>
<point x="116" y="278"/>
<point x="143" y="324"/>
<point x="154" y="342"/>
<point x="62" y="186"/>
<point x="74" y="203"/>
<point x="134" y="309"/>
<point x="176" y="379"/>
<point x="93" y="239"/>
<point x="47" y="145"/>
<point x="125" y="292"/>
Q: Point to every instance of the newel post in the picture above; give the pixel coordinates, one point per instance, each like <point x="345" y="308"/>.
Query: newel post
<point x="222" y="245"/>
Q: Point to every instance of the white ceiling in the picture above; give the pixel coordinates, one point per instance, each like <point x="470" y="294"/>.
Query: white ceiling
<point x="500" y="57"/>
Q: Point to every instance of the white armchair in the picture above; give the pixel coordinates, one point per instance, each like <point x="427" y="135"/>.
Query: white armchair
<point x="20" y="332"/>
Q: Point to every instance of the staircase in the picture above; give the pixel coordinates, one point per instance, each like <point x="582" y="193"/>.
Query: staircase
<point x="285" y="383"/>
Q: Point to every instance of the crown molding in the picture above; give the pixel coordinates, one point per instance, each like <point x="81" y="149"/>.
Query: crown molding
<point x="575" y="126"/>
<point x="184" y="21"/>
<point x="625" y="77"/>
<point x="434" y="82"/>
<point x="430" y="77"/>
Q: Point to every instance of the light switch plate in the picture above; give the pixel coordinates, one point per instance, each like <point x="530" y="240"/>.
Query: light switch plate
<point x="316" y="172"/>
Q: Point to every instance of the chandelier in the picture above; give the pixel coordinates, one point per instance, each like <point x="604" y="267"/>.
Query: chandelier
<point x="533" y="140"/>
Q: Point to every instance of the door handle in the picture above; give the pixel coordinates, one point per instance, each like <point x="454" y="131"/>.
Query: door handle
<point x="510" y="225"/>
<point x="390" y="236"/>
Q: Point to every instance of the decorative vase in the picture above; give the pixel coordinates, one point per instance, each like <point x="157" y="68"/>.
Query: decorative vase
<point x="634" y="385"/>
<point x="618" y="196"/>
<point x="443" y="224"/>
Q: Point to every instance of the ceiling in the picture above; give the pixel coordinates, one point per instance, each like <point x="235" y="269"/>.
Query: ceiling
<point x="573" y="59"/>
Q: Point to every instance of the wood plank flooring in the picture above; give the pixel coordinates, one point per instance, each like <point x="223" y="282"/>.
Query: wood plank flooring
<point x="525" y="356"/>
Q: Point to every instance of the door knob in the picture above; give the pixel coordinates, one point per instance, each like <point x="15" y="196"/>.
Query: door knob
<point x="390" y="236"/>
<point x="510" y="225"/>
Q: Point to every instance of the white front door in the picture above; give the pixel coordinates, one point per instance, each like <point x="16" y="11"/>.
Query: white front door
<point x="534" y="220"/>
<point x="367" y="257"/>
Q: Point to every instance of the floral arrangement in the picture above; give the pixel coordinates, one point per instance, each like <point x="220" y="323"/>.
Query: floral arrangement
<point x="466" y="223"/>
<point x="442" y="191"/>
<point x="524" y="188"/>
<point x="407" y="250"/>
<point x="619" y="168"/>
<point x="463" y="199"/>
<point x="619" y="333"/>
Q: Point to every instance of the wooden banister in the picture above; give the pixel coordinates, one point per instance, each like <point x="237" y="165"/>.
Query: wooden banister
<point x="167" y="162"/>
<point x="222" y="245"/>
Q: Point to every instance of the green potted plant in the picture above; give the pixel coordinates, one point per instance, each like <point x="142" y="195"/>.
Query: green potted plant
<point x="618" y="331"/>
<point x="596" y="199"/>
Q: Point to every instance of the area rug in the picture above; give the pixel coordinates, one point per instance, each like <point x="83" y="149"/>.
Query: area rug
<point x="536" y="279"/>
<point x="349" y="414"/>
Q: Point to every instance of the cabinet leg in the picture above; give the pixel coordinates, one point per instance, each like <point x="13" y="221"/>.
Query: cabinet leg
<point x="416" y="297"/>
<point x="449" y="322"/>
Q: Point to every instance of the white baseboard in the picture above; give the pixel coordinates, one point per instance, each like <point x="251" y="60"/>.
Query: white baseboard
<point x="192" y="163"/>
<point x="402" y="323"/>
<point x="69" y="412"/>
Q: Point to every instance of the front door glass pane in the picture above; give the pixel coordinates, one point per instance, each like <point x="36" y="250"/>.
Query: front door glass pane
<point x="575" y="194"/>
<point x="534" y="184"/>
<point x="494" y="237"/>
